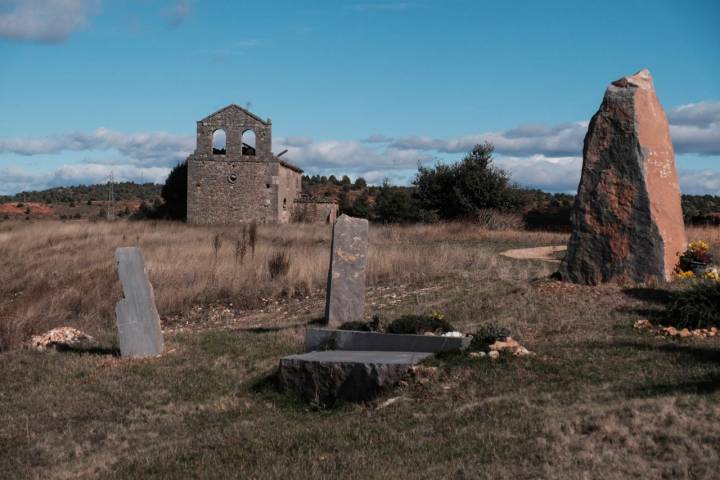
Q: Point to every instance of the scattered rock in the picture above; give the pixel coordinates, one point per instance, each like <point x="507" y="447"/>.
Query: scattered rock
<point x="674" y="332"/>
<point x="389" y="402"/>
<point x="62" y="338"/>
<point x="494" y="354"/>
<point x="453" y="334"/>
<point x="509" y="345"/>
<point x="423" y="373"/>
<point x="478" y="354"/>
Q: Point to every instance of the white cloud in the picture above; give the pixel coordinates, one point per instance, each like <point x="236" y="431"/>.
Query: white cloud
<point x="557" y="141"/>
<point x="157" y="148"/>
<point x="178" y="13"/>
<point x="13" y="180"/>
<point x="695" y="128"/>
<point x="558" y="174"/>
<point x="546" y="157"/>
<point x="45" y="21"/>
<point x="699" y="182"/>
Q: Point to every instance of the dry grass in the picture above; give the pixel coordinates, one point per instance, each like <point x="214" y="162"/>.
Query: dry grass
<point x="63" y="273"/>
<point x="597" y="400"/>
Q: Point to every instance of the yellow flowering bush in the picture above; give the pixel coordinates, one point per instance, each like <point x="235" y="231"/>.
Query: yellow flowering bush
<point x="685" y="275"/>
<point x="712" y="274"/>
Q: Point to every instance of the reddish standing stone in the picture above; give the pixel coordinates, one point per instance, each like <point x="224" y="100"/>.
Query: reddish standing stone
<point x="627" y="218"/>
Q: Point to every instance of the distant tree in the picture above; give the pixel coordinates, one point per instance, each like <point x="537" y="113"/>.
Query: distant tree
<point x="396" y="205"/>
<point x="174" y="194"/>
<point x="332" y="179"/>
<point x="360" y="183"/>
<point x="345" y="180"/>
<point x="463" y="189"/>
<point x="361" y="207"/>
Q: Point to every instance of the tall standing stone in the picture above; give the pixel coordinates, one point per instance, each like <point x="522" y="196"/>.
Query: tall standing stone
<point x="627" y="219"/>
<point x="138" y="321"/>
<point x="345" y="299"/>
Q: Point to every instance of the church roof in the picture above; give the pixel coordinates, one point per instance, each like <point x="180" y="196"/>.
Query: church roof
<point x="236" y="107"/>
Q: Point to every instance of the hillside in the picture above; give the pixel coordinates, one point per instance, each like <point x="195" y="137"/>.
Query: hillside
<point x="542" y="210"/>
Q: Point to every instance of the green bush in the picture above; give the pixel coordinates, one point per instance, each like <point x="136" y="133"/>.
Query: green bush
<point x="371" y="326"/>
<point x="356" y="326"/>
<point x="486" y="335"/>
<point x="695" y="307"/>
<point x="419" y="324"/>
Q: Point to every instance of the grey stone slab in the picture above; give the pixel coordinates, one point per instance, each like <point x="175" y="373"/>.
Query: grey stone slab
<point x="138" y="321"/>
<point x="350" y="356"/>
<point x="345" y="299"/>
<point x="323" y="339"/>
<point x="323" y="378"/>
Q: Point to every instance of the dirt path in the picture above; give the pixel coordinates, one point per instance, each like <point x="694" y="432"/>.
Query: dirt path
<point x="538" y="253"/>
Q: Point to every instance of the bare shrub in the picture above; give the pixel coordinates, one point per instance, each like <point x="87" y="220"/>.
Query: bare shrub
<point x="252" y="236"/>
<point x="496" y="220"/>
<point x="278" y="265"/>
<point x="58" y="273"/>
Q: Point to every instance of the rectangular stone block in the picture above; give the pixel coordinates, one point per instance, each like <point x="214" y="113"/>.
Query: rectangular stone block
<point x="323" y="378"/>
<point x="345" y="300"/>
<point x="324" y="339"/>
<point x="138" y="321"/>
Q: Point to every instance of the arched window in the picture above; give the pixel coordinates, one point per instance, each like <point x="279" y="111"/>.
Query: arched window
<point x="284" y="203"/>
<point x="219" y="142"/>
<point x="248" y="143"/>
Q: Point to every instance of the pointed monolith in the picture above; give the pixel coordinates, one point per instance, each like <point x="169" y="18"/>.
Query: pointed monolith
<point x="627" y="219"/>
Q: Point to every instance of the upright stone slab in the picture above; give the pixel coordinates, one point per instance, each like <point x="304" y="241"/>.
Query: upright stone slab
<point x="627" y="220"/>
<point x="345" y="300"/>
<point x="138" y="321"/>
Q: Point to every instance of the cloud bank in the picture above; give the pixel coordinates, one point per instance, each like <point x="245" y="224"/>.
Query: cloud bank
<point x="539" y="156"/>
<point x="44" y="21"/>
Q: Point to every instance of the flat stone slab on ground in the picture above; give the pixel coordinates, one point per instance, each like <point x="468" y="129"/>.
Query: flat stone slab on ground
<point x="325" y="377"/>
<point x="138" y="321"/>
<point x="321" y="339"/>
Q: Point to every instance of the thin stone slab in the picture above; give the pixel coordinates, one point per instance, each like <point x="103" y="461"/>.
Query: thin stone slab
<point x="345" y="299"/>
<point x="323" y="378"/>
<point x="138" y="321"/>
<point x="323" y="339"/>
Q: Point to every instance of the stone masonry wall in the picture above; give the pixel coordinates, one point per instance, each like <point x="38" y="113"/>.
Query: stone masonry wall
<point x="214" y="198"/>
<point x="315" y="212"/>
<point x="288" y="189"/>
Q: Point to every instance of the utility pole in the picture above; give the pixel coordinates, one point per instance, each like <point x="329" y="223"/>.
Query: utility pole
<point x="111" y="198"/>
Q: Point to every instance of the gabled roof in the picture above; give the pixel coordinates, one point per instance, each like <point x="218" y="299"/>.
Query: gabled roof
<point x="232" y="105"/>
<point x="289" y="165"/>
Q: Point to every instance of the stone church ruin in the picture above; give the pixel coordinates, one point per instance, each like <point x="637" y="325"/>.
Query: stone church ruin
<point x="234" y="177"/>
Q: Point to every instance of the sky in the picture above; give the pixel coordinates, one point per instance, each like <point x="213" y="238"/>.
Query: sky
<point x="368" y="88"/>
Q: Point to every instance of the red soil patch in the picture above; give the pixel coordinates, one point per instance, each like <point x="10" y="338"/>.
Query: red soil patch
<point x="36" y="208"/>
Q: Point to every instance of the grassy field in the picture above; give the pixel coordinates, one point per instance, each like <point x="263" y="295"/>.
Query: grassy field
<point x="598" y="399"/>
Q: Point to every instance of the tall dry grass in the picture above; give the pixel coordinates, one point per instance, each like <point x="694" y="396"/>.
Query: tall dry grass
<point x="56" y="273"/>
<point x="64" y="273"/>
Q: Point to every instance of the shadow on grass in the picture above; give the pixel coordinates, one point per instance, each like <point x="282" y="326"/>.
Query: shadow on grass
<point x="315" y="321"/>
<point x="691" y="383"/>
<point x="111" y="351"/>
<point x="657" y="296"/>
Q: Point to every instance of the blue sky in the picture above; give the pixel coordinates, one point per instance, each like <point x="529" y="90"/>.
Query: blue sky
<point x="359" y="87"/>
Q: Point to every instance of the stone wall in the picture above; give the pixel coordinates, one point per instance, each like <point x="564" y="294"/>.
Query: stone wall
<point x="314" y="212"/>
<point x="231" y="192"/>
<point x="289" y="185"/>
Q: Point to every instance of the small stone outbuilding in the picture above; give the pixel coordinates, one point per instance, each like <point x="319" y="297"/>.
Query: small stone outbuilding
<point x="233" y="175"/>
